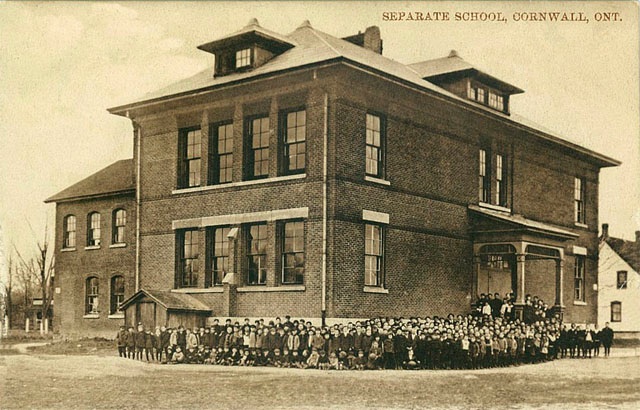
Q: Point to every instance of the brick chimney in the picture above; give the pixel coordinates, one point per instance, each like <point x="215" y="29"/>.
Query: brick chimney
<point x="637" y="237"/>
<point x="605" y="231"/>
<point x="370" y="39"/>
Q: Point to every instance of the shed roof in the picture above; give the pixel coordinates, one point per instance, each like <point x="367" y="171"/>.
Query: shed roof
<point x="116" y="178"/>
<point x="169" y="300"/>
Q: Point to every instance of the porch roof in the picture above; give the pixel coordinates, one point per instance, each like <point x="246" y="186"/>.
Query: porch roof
<point x="520" y="223"/>
<point x="169" y="300"/>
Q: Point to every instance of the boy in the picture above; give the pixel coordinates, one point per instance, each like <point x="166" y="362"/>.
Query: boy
<point x="121" y="341"/>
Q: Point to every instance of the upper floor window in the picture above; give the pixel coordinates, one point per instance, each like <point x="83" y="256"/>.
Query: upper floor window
<point x="189" y="244"/>
<point x="69" y="231"/>
<point x="496" y="101"/>
<point x="243" y="58"/>
<point x="374" y="145"/>
<point x="373" y="255"/>
<point x="579" y="279"/>
<point x="293" y="253"/>
<point x="294" y="140"/>
<point x="190" y="144"/>
<point x="257" y="254"/>
<point x="616" y="311"/>
<point x="578" y="199"/>
<point x="621" y="282"/>
<point x="117" y="294"/>
<point x="93" y="229"/>
<point x="483" y="177"/>
<point x="119" y="223"/>
<point x="258" y="155"/>
<point x="492" y="178"/>
<point x="218" y="256"/>
<point x="92" y="296"/>
<point x="221" y="158"/>
<point x="501" y="181"/>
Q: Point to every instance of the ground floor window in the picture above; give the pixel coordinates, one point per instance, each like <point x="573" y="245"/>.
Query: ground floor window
<point x="257" y="254"/>
<point x="579" y="279"/>
<point x="373" y="254"/>
<point x="92" y="293"/>
<point x="117" y="294"/>
<point x="616" y="312"/>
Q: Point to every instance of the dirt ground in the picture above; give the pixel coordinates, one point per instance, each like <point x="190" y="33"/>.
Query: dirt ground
<point x="79" y="382"/>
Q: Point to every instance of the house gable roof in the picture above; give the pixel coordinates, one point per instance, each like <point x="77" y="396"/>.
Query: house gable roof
<point x="629" y="251"/>
<point x="114" y="179"/>
<point x="169" y="300"/>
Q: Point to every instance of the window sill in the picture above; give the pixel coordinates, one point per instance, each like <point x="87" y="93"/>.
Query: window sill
<point x="216" y="289"/>
<point x="92" y="316"/>
<point x="283" y="288"/>
<point x="238" y="184"/>
<point x="116" y="316"/>
<point x="377" y="180"/>
<point x="118" y="245"/>
<point x="581" y="225"/>
<point x="494" y="207"/>
<point x="91" y="248"/>
<point x="375" y="289"/>
<point x="68" y="250"/>
<point x="579" y="303"/>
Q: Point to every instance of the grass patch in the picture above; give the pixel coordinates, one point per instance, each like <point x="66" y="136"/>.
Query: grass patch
<point x="88" y="346"/>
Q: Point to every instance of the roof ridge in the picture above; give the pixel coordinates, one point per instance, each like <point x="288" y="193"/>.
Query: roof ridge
<point x="316" y="33"/>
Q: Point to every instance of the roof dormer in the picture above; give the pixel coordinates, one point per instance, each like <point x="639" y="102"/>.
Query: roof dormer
<point x="246" y="49"/>
<point x="463" y="79"/>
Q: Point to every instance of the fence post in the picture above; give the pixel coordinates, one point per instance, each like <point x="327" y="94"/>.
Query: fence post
<point x="41" y="326"/>
<point x="46" y="326"/>
<point x="26" y="325"/>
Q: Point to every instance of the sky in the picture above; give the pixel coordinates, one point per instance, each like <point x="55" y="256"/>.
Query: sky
<point x="63" y="64"/>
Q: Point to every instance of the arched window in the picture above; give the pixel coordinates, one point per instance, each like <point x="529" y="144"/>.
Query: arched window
<point x="119" y="222"/>
<point x="93" y="229"/>
<point x="117" y="294"/>
<point x="92" y="293"/>
<point x="69" y="232"/>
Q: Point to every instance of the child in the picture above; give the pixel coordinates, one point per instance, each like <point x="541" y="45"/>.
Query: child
<point x="360" y="361"/>
<point x="178" y="356"/>
<point x="410" y="363"/>
<point x="323" y="360"/>
<point x="286" y="358"/>
<point x="312" y="361"/>
<point x="333" y="361"/>
<point x="277" y="358"/>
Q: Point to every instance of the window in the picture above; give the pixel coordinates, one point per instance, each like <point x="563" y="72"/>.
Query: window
<point x="258" y="160"/>
<point x="218" y="264"/>
<point x="257" y="254"/>
<point x="93" y="229"/>
<point x="621" y="282"/>
<point x="493" y="101"/>
<point x="69" y="234"/>
<point x="500" y="102"/>
<point x="374" y="146"/>
<point x="373" y="253"/>
<point x="293" y="253"/>
<point x="483" y="177"/>
<point x="579" y="279"/>
<point x="189" y="243"/>
<point x="243" y="58"/>
<point x="190" y="145"/>
<point x="92" y="292"/>
<point x="221" y="162"/>
<point x="578" y="196"/>
<point x="295" y="134"/>
<point x="119" y="222"/>
<point x="117" y="294"/>
<point x="480" y="95"/>
<point x="501" y="181"/>
<point x="616" y="312"/>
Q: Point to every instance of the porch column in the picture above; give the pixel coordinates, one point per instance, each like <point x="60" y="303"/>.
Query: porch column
<point x="520" y="262"/>
<point x="559" y="282"/>
<point x="474" y="278"/>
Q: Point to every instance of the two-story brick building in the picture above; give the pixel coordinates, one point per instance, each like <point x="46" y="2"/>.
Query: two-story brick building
<point x="309" y="175"/>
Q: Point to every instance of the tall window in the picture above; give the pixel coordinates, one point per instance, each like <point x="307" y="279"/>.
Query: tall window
<point x="257" y="254"/>
<point x="190" y="145"/>
<point x="374" y="145"/>
<point x="293" y="253"/>
<point x="578" y="196"/>
<point x="218" y="264"/>
<point x="616" y="311"/>
<point x="189" y="252"/>
<point x="243" y="58"/>
<point x="373" y="253"/>
<point x="579" y="279"/>
<point x="258" y="156"/>
<point x="93" y="229"/>
<point x="483" y="177"/>
<point x="69" y="234"/>
<point x="480" y="95"/>
<point x="117" y="294"/>
<point x="221" y="163"/>
<point x="92" y="293"/>
<point x="501" y="181"/>
<point x="621" y="282"/>
<point x="119" y="223"/>
<point x="295" y="134"/>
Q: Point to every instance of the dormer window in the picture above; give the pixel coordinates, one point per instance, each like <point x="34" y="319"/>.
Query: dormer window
<point x="496" y="101"/>
<point x="243" y="58"/>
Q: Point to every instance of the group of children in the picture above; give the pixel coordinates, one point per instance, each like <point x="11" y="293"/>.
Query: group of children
<point x="455" y="342"/>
